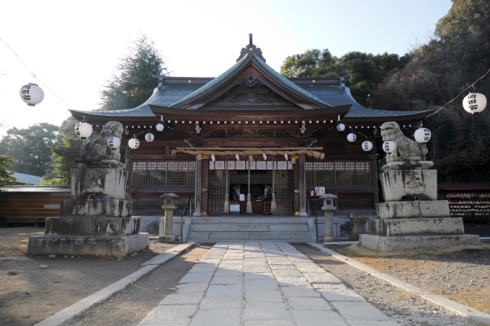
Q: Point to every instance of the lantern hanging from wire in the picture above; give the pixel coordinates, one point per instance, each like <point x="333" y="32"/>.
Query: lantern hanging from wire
<point x="114" y="142"/>
<point x="389" y="146"/>
<point x="31" y="94"/>
<point x="149" y="137"/>
<point x="340" y="127"/>
<point x="83" y="129"/>
<point x="160" y="126"/>
<point x="367" y="146"/>
<point x="474" y="103"/>
<point x="422" y="135"/>
<point x="134" y="143"/>
<point x="351" y="137"/>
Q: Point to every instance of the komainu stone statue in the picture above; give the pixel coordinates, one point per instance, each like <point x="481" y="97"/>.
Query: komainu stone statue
<point x="406" y="149"/>
<point x="93" y="153"/>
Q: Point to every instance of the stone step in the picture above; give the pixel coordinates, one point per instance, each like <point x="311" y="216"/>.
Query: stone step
<point x="212" y="229"/>
<point x="219" y="236"/>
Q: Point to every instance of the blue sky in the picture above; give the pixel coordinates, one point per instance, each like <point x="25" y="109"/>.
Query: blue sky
<point x="74" y="47"/>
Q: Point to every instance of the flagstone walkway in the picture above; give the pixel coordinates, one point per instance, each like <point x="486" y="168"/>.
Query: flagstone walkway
<point x="262" y="283"/>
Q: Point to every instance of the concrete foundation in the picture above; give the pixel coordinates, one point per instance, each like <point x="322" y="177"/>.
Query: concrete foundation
<point x="413" y="209"/>
<point x="88" y="245"/>
<point x="416" y="226"/>
<point x="95" y="208"/>
<point x="383" y="243"/>
<point x="418" y="183"/>
<point x="107" y="181"/>
<point x="92" y="226"/>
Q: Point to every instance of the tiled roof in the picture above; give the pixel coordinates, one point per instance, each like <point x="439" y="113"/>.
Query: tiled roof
<point x="290" y="83"/>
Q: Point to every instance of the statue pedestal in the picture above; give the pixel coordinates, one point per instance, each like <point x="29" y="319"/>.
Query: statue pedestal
<point x="410" y="224"/>
<point x="96" y="221"/>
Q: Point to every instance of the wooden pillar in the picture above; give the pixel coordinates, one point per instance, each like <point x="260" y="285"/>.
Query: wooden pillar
<point x="198" y="187"/>
<point x="205" y="184"/>
<point x="296" y="184"/>
<point x="302" y="186"/>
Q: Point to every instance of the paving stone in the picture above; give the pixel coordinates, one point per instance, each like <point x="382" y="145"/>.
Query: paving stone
<point x="169" y="314"/>
<point x="273" y="311"/>
<point x="323" y="277"/>
<point x="258" y="276"/>
<point x="338" y="293"/>
<point x="283" y="266"/>
<point x="263" y="296"/>
<point x="227" y="272"/>
<point x="279" y="261"/>
<point x="221" y="302"/>
<point x="374" y="323"/>
<point x="303" y="303"/>
<point x="192" y="287"/>
<point x="261" y="285"/>
<point x="300" y="291"/>
<point x="359" y="311"/>
<point x="224" y="317"/>
<point x="268" y="323"/>
<point x="197" y="277"/>
<point x="309" y="267"/>
<point x="221" y="290"/>
<point x="257" y="269"/>
<point x="287" y="272"/>
<point x="227" y="279"/>
<point x="203" y="267"/>
<point x="182" y="298"/>
<point x="318" y="318"/>
<point x="292" y="281"/>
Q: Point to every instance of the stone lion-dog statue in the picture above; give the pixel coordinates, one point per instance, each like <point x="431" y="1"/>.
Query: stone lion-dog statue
<point x="95" y="151"/>
<point x="407" y="150"/>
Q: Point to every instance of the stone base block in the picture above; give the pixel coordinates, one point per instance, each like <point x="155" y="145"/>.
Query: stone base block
<point x="88" y="245"/>
<point x="167" y="238"/>
<point x="412" y="209"/>
<point x="415" y="241"/>
<point x="108" y="181"/>
<point x="418" y="183"/>
<point x="358" y="225"/>
<point x="90" y="226"/>
<point x="416" y="226"/>
<point x="95" y="208"/>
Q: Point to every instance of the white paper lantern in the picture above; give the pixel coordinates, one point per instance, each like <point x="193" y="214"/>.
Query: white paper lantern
<point x="134" y="143"/>
<point x="340" y="127"/>
<point x="367" y="146"/>
<point x="149" y="137"/>
<point x="422" y="135"/>
<point x="31" y="94"/>
<point x="83" y="130"/>
<point x="474" y="103"/>
<point x="159" y="126"/>
<point x="351" y="137"/>
<point x="389" y="146"/>
<point x="114" y="142"/>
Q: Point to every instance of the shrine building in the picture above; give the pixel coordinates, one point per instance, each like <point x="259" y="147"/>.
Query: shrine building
<point x="248" y="134"/>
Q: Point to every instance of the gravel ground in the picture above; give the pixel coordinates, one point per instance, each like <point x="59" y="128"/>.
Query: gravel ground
<point x="405" y="307"/>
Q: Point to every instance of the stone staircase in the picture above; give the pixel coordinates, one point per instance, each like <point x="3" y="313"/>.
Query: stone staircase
<point x="214" y="229"/>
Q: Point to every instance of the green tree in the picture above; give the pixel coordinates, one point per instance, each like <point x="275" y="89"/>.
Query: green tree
<point x="29" y="148"/>
<point x="64" y="152"/>
<point x="366" y="70"/>
<point x="134" y="83"/>
<point x="5" y="175"/>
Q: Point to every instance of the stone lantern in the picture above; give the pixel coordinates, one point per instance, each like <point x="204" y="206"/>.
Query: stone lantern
<point x="166" y="224"/>
<point x="329" y="206"/>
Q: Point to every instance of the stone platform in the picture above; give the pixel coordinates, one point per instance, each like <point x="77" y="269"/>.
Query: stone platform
<point x="101" y="246"/>
<point x="396" y="243"/>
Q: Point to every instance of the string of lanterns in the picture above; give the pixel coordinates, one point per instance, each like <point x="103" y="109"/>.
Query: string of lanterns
<point x="33" y="94"/>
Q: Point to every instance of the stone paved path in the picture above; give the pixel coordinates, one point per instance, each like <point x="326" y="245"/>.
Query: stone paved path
<point x="262" y="283"/>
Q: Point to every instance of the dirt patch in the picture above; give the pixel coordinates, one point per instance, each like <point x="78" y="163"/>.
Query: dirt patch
<point x="131" y="305"/>
<point x="459" y="273"/>
<point x="404" y="307"/>
<point x="35" y="288"/>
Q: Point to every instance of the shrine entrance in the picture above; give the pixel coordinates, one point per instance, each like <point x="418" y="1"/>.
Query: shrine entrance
<point x="262" y="184"/>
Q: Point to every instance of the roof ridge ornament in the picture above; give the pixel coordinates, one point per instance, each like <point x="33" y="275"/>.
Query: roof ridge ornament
<point x="251" y="48"/>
